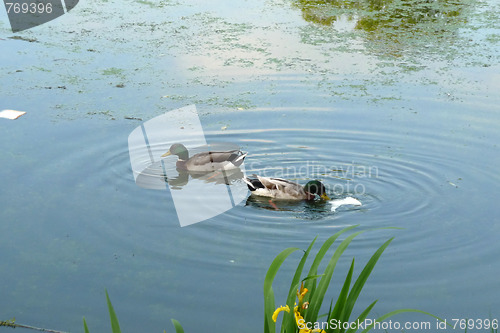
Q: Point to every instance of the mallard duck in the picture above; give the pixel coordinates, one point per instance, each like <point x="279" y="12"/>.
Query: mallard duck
<point x="206" y="161"/>
<point x="279" y="188"/>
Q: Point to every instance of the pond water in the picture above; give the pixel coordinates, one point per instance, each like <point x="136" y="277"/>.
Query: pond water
<point x="402" y="116"/>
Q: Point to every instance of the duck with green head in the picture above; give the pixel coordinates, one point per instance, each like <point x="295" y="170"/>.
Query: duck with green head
<point x="206" y="161"/>
<point x="283" y="189"/>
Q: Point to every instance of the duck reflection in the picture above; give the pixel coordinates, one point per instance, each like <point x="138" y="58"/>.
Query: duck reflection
<point x="220" y="158"/>
<point x="218" y="164"/>
<point x="217" y="177"/>
<point x="270" y="204"/>
<point x="201" y="187"/>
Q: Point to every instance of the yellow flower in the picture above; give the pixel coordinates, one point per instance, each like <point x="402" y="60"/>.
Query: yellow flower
<point x="298" y="316"/>
<point x="299" y="319"/>
<point x="278" y="310"/>
<point x="301" y="292"/>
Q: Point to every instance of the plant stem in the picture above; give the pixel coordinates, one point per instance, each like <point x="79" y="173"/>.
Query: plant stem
<point x="11" y="323"/>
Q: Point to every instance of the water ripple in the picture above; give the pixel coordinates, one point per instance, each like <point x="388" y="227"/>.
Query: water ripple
<point x="399" y="179"/>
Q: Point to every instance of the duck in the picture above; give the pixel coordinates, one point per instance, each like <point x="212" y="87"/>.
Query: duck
<point x="283" y="189"/>
<point x="206" y="161"/>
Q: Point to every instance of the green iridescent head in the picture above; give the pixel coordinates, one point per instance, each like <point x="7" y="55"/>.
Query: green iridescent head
<point x="316" y="187"/>
<point x="179" y="150"/>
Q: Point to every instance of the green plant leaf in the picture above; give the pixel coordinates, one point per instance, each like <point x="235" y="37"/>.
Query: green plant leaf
<point x="362" y="317"/>
<point x="115" y="326"/>
<point x="269" y="325"/>
<point x="319" y="294"/>
<point x="329" y="310"/>
<point x="311" y="285"/>
<point x="269" y="308"/>
<point x="360" y="282"/>
<point x="85" y="328"/>
<point x="339" y="305"/>
<point x="312" y="277"/>
<point x="178" y="326"/>
<point x="288" y="323"/>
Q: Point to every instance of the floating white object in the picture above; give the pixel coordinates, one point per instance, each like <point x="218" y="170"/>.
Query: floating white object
<point x="11" y="114"/>
<point x="345" y="201"/>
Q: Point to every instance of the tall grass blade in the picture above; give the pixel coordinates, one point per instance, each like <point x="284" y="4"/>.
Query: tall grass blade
<point x="178" y="326"/>
<point x="312" y="277"/>
<point x="319" y="294"/>
<point x="85" y="328"/>
<point x="269" y="325"/>
<point x="288" y="324"/>
<point x="361" y="318"/>
<point x="339" y="305"/>
<point x="311" y="285"/>
<point x="360" y="282"/>
<point x="329" y="310"/>
<point x="269" y="307"/>
<point x="115" y="326"/>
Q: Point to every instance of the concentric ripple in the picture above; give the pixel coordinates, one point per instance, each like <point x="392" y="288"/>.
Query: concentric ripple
<point x="402" y="180"/>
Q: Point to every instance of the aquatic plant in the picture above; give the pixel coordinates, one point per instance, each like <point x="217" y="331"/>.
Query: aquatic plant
<point x="304" y="318"/>
<point x="115" y="326"/>
<point x="303" y="315"/>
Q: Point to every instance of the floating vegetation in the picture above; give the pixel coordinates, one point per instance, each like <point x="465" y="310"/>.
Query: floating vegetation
<point x="113" y="71"/>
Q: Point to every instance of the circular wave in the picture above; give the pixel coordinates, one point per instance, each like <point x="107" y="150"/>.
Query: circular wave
<point x="399" y="185"/>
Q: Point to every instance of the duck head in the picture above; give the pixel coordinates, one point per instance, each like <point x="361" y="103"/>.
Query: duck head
<point x="316" y="187"/>
<point x="179" y="150"/>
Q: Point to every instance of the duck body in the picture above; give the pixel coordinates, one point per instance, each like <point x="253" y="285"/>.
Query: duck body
<point x="206" y="161"/>
<point x="282" y="189"/>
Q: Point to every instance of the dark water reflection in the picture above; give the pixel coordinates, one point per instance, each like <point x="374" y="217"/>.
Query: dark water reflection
<point x="388" y="16"/>
<point x="391" y="26"/>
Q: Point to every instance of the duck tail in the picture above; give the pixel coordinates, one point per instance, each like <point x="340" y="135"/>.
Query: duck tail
<point x="253" y="183"/>
<point x="239" y="160"/>
<point x="248" y="181"/>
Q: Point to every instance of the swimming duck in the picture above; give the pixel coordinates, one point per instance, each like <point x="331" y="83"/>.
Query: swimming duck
<point x="206" y="161"/>
<point x="279" y="188"/>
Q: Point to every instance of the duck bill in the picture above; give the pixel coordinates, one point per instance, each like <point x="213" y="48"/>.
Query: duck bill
<point x="168" y="153"/>
<point x="325" y="197"/>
